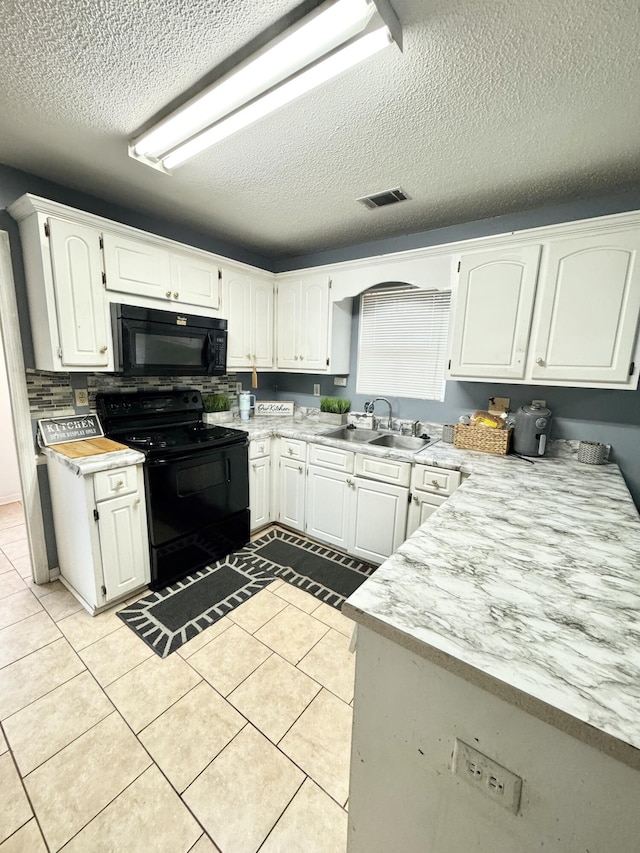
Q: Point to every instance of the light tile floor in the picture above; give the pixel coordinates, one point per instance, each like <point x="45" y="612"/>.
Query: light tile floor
<point x="238" y="742"/>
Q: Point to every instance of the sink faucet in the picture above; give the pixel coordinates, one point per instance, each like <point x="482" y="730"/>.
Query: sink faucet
<point x="369" y="408"/>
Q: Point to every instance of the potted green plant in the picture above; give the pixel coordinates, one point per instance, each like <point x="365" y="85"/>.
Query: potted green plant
<point x="217" y="408"/>
<point x="333" y="410"/>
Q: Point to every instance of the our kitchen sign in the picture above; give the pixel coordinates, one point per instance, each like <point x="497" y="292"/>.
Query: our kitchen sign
<point x="69" y="428"/>
<point x="274" y="407"/>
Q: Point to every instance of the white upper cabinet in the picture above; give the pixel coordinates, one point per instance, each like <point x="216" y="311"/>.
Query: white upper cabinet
<point x="133" y="266"/>
<point x="490" y="334"/>
<point x="313" y="333"/>
<point x="588" y="310"/>
<point x="145" y="269"/>
<point x="80" y="307"/>
<point x="565" y="316"/>
<point x="248" y="308"/>
<point x="69" y="315"/>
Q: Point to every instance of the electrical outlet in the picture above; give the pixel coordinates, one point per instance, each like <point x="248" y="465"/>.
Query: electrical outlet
<point x="238" y="387"/>
<point x="340" y="380"/>
<point x="82" y="397"/>
<point x="316" y="390"/>
<point x="485" y="774"/>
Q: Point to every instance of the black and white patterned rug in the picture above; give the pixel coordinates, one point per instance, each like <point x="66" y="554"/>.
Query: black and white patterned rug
<point x="167" y="619"/>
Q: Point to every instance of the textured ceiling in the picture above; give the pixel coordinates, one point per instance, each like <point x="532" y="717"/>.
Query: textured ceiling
<point x="494" y="106"/>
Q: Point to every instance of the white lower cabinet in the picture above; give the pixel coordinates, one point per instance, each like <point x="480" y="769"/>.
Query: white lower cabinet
<point x="421" y="507"/>
<point x="260" y="482"/>
<point x="329" y="496"/>
<point x="430" y="488"/>
<point x="101" y="531"/>
<point x="378" y="519"/>
<point x="292" y="469"/>
<point x="365" y="517"/>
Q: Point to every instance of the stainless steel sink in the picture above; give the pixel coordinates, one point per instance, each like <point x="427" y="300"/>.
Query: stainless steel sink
<point x="360" y="435"/>
<point x="400" y="442"/>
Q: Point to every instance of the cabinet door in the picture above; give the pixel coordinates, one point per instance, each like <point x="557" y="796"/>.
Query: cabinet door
<point x="81" y="307"/>
<point x="422" y="506"/>
<point x="195" y="281"/>
<point x="123" y="545"/>
<point x="133" y="266"/>
<point x="288" y="323"/>
<point x="314" y="323"/>
<point x="493" y="311"/>
<point x="262" y="322"/>
<point x="329" y="495"/>
<point x="291" y="491"/>
<point x="378" y="521"/>
<point x="237" y="308"/>
<point x="259" y="491"/>
<point x="589" y="306"/>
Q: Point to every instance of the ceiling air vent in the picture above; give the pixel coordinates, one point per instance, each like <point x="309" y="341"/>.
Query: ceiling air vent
<point x="384" y="198"/>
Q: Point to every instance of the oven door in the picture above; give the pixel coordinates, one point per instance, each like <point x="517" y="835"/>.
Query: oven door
<point x="188" y="493"/>
<point x="148" y="348"/>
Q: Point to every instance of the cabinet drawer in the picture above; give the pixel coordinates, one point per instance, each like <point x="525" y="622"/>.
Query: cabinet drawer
<point x="440" y="481"/>
<point x="293" y="448"/>
<point x="116" y="482"/>
<point x="384" y="470"/>
<point x="331" y="457"/>
<point x="259" y="447"/>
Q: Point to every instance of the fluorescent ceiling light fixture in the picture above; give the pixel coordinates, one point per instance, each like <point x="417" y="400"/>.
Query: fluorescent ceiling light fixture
<point x="344" y="32"/>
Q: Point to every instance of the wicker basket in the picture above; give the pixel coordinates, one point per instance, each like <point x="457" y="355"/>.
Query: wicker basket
<point x="482" y="438"/>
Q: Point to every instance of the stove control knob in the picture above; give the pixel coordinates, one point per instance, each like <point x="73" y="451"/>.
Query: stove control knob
<point x="185" y="399"/>
<point x="194" y="399"/>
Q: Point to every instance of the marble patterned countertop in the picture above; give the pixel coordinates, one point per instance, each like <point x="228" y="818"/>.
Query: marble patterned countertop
<point x="85" y="465"/>
<point x="526" y="580"/>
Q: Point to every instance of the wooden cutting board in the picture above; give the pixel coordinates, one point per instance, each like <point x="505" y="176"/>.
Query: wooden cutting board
<point x="88" y="447"/>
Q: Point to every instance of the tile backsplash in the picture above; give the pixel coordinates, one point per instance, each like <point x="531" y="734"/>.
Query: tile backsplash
<point x="51" y="394"/>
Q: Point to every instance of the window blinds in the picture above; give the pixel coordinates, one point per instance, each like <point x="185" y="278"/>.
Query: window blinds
<point x="403" y="342"/>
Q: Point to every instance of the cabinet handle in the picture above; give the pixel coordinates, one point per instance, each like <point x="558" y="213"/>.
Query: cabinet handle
<point x="254" y="466"/>
<point x="176" y="295"/>
<point x="415" y="499"/>
<point x="136" y="502"/>
<point x="435" y="483"/>
<point x="540" y="362"/>
<point x="296" y="357"/>
<point x="103" y="350"/>
<point x="349" y="482"/>
<point x="300" y="468"/>
<point x="118" y="484"/>
<point x="290" y="451"/>
<point x="301" y="358"/>
<point x="168" y="294"/>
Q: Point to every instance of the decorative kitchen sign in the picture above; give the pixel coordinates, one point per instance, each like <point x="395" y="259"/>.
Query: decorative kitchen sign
<point x="274" y="407"/>
<point x="69" y="428"/>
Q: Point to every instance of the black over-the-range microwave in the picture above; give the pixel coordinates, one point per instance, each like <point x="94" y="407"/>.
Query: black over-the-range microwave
<point x="149" y="342"/>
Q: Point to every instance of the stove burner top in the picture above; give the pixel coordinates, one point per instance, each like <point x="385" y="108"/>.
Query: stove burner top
<point x="180" y="438"/>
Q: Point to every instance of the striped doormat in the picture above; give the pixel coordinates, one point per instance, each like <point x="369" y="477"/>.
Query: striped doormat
<point x="168" y="618"/>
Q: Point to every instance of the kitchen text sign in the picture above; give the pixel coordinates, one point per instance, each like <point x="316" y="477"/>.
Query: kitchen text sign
<point x="274" y="407"/>
<point x="70" y="428"/>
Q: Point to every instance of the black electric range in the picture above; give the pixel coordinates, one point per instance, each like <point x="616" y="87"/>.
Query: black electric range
<point x="196" y="477"/>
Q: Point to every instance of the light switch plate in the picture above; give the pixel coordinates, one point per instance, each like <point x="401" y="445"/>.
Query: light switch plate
<point x="316" y="390"/>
